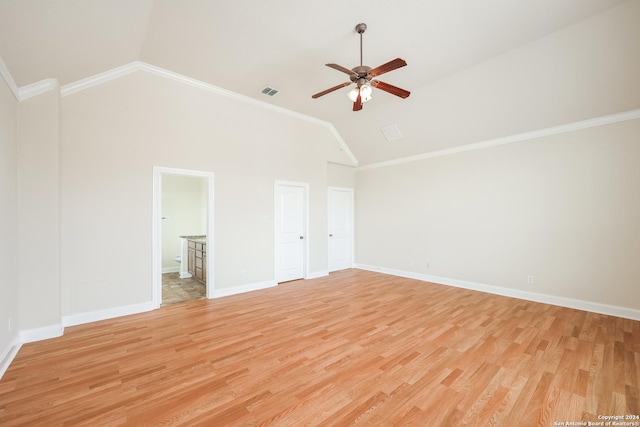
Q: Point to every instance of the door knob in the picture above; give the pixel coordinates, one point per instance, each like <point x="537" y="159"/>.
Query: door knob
<point x="330" y="235"/>
<point x="301" y="237"/>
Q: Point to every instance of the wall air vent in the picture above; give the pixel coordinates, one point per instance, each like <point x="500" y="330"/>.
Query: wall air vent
<point x="269" y="91"/>
<point x="392" y="132"/>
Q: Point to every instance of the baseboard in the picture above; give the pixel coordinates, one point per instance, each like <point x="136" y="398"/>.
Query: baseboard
<point x="7" y="356"/>
<point x="317" y="274"/>
<point x="110" y="313"/>
<point x="225" y="292"/>
<point x="171" y="270"/>
<point x="39" y="334"/>
<point x="595" y="307"/>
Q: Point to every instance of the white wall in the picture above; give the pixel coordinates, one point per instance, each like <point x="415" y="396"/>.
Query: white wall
<point x="39" y="211"/>
<point x="184" y="209"/>
<point x="115" y="133"/>
<point x="8" y="220"/>
<point x="564" y="209"/>
<point x="341" y="175"/>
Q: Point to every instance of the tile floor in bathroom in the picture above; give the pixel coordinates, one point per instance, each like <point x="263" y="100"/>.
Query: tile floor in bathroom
<point x="175" y="289"/>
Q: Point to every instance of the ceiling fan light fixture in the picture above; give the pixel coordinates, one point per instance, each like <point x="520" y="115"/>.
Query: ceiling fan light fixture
<point x="365" y="93"/>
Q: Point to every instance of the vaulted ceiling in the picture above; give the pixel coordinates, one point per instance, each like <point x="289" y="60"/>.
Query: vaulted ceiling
<point x="245" y="45"/>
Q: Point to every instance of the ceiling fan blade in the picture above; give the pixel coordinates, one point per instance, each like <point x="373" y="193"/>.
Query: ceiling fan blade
<point x="393" y="90"/>
<point x="324" y="92"/>
<point x="341" y="68"/>
<point x="357" y="106"/>
<point x="389" y="66"/>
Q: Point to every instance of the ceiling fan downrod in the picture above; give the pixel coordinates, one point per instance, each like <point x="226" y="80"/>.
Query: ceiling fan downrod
<point x="360" y="29"/>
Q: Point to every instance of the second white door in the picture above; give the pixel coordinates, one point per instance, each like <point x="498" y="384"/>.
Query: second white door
<point x="340" y="224"/>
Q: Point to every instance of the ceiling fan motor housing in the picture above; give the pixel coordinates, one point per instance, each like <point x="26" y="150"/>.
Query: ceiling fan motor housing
<point x="360" y="72"/>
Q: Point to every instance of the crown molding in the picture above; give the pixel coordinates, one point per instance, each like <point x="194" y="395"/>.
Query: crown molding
<point x="555" y="130"/>
<point x="28" y="91"/>
<point x="37" y="88"/>
<point x="135" y="66"/>
<point x="8" y="78"/>
<point x="100" y="78"/>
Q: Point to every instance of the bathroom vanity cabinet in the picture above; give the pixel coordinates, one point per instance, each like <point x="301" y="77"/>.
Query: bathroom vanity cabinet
<point x="197" y="254"/>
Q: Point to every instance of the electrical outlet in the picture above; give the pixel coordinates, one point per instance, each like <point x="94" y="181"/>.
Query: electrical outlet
<point x="9" y="324"/>
<point x="530" y="280"/>
<point x="243" y="274"/>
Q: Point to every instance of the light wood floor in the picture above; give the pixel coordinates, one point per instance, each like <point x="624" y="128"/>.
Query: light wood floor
<point x="357" y="347"/>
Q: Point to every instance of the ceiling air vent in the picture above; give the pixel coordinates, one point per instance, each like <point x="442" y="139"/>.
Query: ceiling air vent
<point x="392" y="132"/>
<point x="269" y="91"/>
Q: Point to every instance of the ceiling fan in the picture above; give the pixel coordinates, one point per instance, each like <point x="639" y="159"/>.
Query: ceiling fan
<point x="363" y="76"/>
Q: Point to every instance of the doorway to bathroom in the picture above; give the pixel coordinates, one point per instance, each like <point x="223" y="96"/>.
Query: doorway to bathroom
<point x="182" y="236"/>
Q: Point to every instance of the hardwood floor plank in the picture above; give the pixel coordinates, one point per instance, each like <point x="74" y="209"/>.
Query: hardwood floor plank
<point x="354" y="347"/>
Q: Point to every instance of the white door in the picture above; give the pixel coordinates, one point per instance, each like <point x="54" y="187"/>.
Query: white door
<point x="340" y="224"/>
<point x="290" y="233"/>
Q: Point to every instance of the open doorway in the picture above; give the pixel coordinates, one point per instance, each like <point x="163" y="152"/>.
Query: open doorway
<point x="182" y="236"/>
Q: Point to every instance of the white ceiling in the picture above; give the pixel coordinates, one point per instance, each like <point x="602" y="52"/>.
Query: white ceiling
<point x="244" y="45"/>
